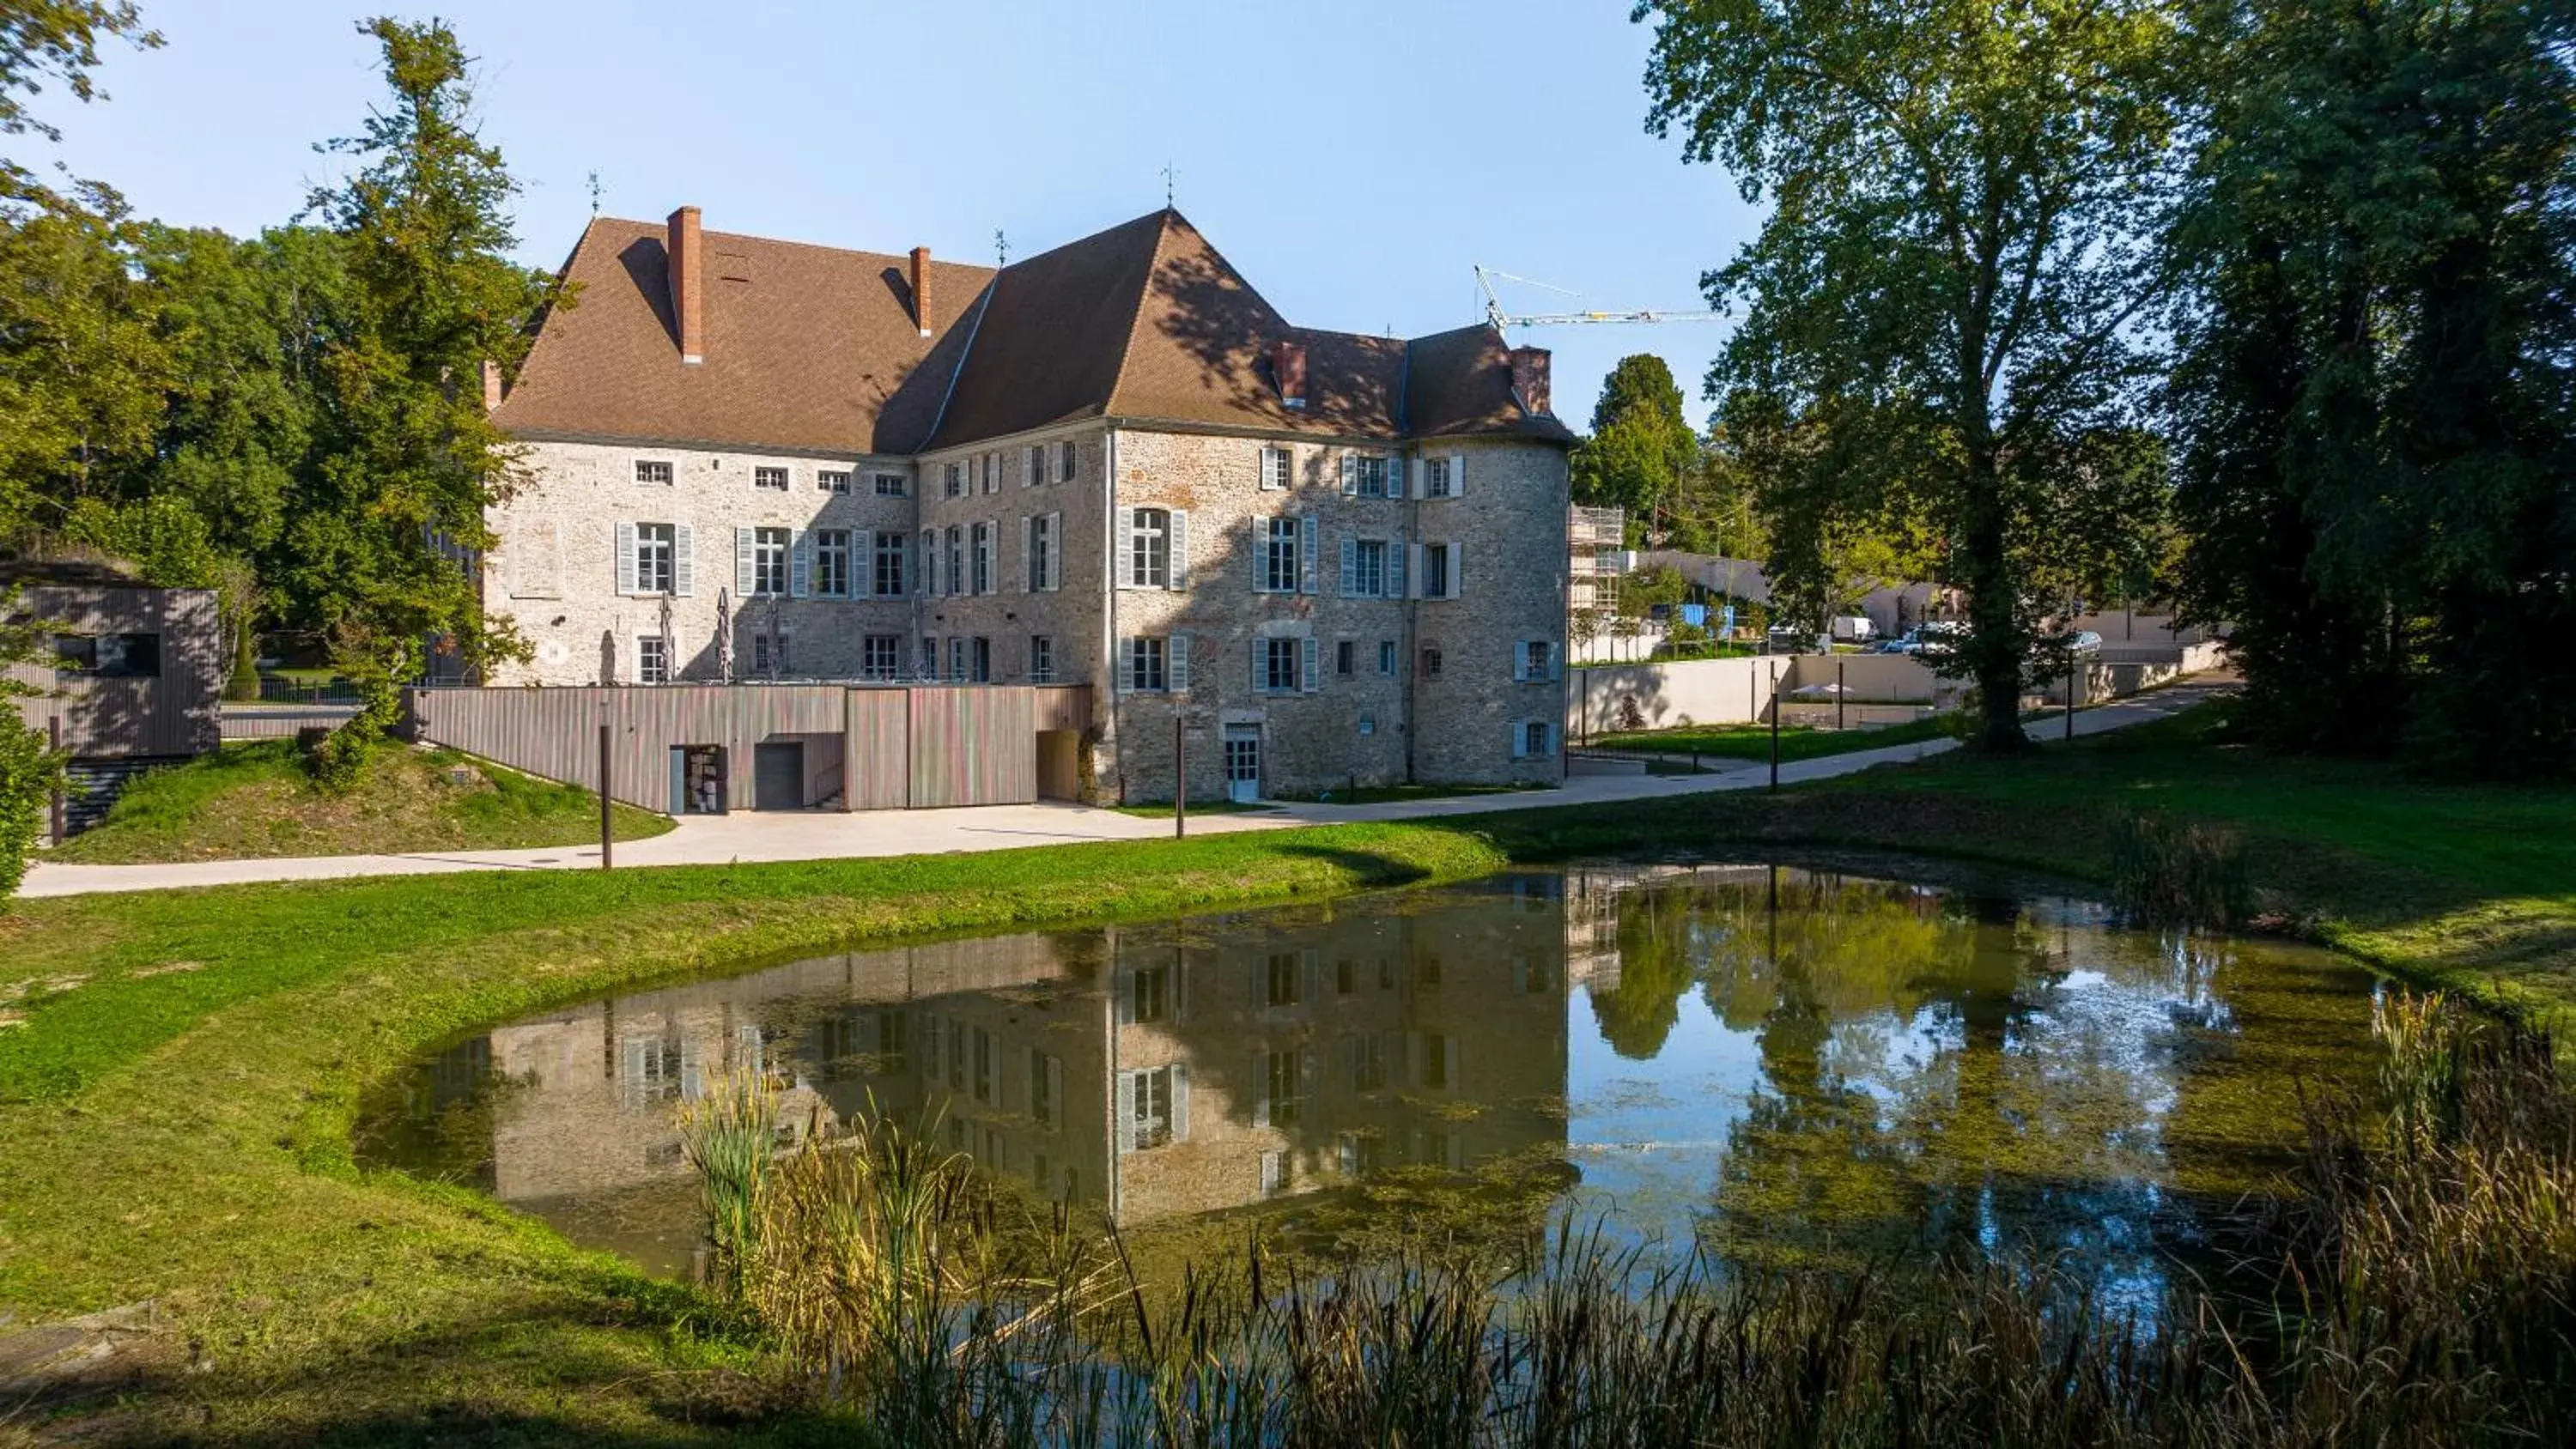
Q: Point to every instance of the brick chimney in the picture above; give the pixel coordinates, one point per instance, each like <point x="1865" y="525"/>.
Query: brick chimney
<point x="921" y="289"/>
<point x="1529" y="379"/>
<point x="688" y="283"/>
<point x="1288" y="371"/>
<point x="491" y="384"/>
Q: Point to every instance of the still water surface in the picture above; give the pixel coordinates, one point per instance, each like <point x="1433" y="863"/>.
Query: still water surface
<point x="1764" y="1062"/>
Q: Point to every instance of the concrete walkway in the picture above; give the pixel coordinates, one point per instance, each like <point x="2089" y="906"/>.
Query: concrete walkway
<point x="824" y="835"/>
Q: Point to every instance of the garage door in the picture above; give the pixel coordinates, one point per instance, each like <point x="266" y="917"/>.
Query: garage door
<point x="778" y="776"/>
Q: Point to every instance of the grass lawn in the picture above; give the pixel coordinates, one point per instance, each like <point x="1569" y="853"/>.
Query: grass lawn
<point x="1753" y="742"/>
<point x="1197" y="807"/>
<point x="252" y="800"/>
<point x="179" y="1072"/>
<point x="1389" y="794"/>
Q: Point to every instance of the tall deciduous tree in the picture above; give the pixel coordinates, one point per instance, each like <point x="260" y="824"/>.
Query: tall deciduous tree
<point x="1641" y="449"/>
<point x="1963" y="200"/>
<point x="54" y="41"/>
<point x="382" y="544"/>
<point x="2377" y="376"/>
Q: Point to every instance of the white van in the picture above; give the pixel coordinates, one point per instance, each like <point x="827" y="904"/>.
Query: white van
<point x="1854" y="629"/>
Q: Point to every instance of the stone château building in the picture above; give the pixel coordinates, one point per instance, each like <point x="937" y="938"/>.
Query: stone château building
<point x="1342" y="558"/>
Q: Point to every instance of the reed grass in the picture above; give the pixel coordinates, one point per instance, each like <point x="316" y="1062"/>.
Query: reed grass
<point x="2180" y="872"/>
<point x="2423" y="1297"/>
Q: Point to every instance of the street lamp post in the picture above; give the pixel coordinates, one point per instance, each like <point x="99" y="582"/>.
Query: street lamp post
<point x="1180" y="773"/>
<point x="607" y="805"/>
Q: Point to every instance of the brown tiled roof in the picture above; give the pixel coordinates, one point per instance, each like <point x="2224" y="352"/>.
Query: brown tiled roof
<point x="817" y="350"/>
<point x="807" y="348"/>
<point x="1462" y="387"/>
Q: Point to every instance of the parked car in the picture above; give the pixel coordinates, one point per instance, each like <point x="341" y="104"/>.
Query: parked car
<point x="1933" y="637"/>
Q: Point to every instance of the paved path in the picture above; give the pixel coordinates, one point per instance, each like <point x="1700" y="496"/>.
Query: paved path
<point x="823" y="835"/>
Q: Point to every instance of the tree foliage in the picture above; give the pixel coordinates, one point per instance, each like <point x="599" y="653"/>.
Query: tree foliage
<point x="2373" y="390"/>
<point x="1963" y="215"/>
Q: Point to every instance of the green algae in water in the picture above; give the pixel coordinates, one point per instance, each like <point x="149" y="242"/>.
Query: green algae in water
<point x="1765" y="1064"/>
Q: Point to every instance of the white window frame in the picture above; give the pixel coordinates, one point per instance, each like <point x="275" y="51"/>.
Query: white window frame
<point x="667" y="545"/>
<point x="1041" y="659"/>
<point x="1275" y="648"/>
<point x="761" y="473"/>
<point x="772" y="548"/>
<point x="1278" y="468"/>
<point x="953" y="480"/>
<point x="901" y="485"/>
<point x="1068" y="462"/>
<point x="833" y="480"/>
<point x="647" y="646"/>
<point x="1275" y="556"/>
<point x="646" y="470"/>
<point x="890" y="666"/>
<point x="882" y="547"/>
<point x="827" y="542"/>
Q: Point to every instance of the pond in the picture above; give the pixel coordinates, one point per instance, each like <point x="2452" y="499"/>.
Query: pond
<point x="1767" y="1063"/>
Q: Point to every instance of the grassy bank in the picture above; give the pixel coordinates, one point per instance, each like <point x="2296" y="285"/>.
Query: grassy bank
<point x="180" y="1076"/>
<point x="255" y="800"/>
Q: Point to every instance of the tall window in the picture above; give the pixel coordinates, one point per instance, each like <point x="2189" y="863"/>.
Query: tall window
<point x="955" y="480"/>
<point x="1278" y="555"/>
<point x="1439" y="571"/>
<point x="1535" y="656"/>
<point x="832" y="562"/>
<point x="1283" y="979"/>
<point x="930" y="560"/>
<point x="889" y="552"/>
<point x="1146" y="995"/>
<point x="1041" y="659"/>
<point x="1275" y="467"/>
<point x="980" y="660"/>
<point x="652" y="470"/>
<point x="1386" y="657"/>
<point x="1284" y="1085"/>
<point x="652" y="659"/>
<point x="881" y="656"/>
<point x="1041" y="551"/>
<point x="1037" y="466"/>
<point x="1046" y="1088"/>
<point x="1437" y="479"/>
<point x="768" y="653"/>
<point x="774" y="479"/>
<point x="983" y="558"/>
<point x="1068" y="463"/>
<point x="832" y="480"/>
<point x="769" y="561"/>
<point x="655" y="550"/>
<point x="992" y="471"/>
<point x="1150" y="1120"/>
<point x="956" y="560"/>
<point x="1368" y="568"/>
<point x="1346" y="657"/>
<point x="1278" y="665"/>
<point x="1147" y="667"/>
<point x="1149" y="558"/>
<point x="890" y="485"/>
<point x="957" y="660"/>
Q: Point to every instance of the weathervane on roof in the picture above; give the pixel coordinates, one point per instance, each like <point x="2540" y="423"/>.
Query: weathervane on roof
<point x="1001" y="246"/>
<point x="1171" y="180"/>
<point x="595" y="190"/>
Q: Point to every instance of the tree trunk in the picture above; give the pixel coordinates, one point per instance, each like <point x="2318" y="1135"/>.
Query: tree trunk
<point x="1993" y="649"/>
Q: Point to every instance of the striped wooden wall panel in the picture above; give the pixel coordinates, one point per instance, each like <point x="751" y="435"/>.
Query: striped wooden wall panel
<point x="1062" y="707"/>
<point x="916" y="747"/>
<point x="875" y="761"/>
<point x="173" y="714"/>
<point x="973" y="747"/>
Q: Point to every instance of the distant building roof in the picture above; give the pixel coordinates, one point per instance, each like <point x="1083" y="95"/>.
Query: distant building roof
<point x="814" y="349"/>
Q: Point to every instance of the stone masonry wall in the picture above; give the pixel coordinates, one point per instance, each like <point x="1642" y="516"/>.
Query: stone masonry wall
<point x="554" y="570"/>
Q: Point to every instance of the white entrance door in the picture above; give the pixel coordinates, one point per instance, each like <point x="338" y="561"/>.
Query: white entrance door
<point x="1243" y="763"/>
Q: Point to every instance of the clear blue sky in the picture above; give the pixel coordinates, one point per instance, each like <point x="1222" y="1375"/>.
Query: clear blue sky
<point x="1355" y="160"/>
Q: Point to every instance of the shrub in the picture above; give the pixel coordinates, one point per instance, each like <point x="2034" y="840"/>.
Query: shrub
<point x="30" y="772"/>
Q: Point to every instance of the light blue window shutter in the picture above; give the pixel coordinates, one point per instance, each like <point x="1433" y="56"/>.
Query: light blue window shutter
<point x="1176" y="663"/>
<point x="746" y="574"/>
<point x="1260" y="665"/>
<point x="863" y="564"/>
<point x="1555" y="661"/>
<point x="1310" y="545"/>
<point x="1520" y="661"/>
<point x="1457" y="475"/>
<point x="1519" y="736"/>
<point x="1350" y="475"/>
<point x="626" y="558"/>
<point x="1256" y="531"/>
<point x="1310" y="672"/>
<point x="1055" y="547"/>
<point x="1395" y="568"/>
<point x="1126" y="566"/>
<point x="1180" y="1101"/>
<point x="800" y="564"/>
<point x="684" y="560"/>
<point x="1457" y="570"/>
<point x="1422" y="477"/>
<point x="1126" y="666"/>
<point x="1126" y="1109"/>
<point x="1350" y="567"/>
<point x="1028" y="574"/>
<point x="1180" y="549"/>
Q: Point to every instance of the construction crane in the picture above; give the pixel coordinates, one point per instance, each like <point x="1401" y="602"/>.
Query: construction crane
<point x="1499" y="319"/>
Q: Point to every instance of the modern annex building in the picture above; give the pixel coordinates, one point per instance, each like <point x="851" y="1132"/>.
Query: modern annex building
<point x="1341" y="558"/>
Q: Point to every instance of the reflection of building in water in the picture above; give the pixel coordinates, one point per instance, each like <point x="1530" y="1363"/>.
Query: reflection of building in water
<point x="1150" y="1071"/>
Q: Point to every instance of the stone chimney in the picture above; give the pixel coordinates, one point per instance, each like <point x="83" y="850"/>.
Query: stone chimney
<point x="1288" y="371"/>
<point x="921" y="289"/>
<point x="1529" y="379"/>
<point x="688" y="283"/>
<point x="491" y="384"/>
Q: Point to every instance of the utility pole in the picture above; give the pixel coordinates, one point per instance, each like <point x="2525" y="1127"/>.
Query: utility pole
<point x="1775" y="731"/>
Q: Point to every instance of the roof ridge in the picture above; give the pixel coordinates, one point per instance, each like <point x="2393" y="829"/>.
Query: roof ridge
<point x="659" y="227"/>
<point x="1136" y="313"/>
